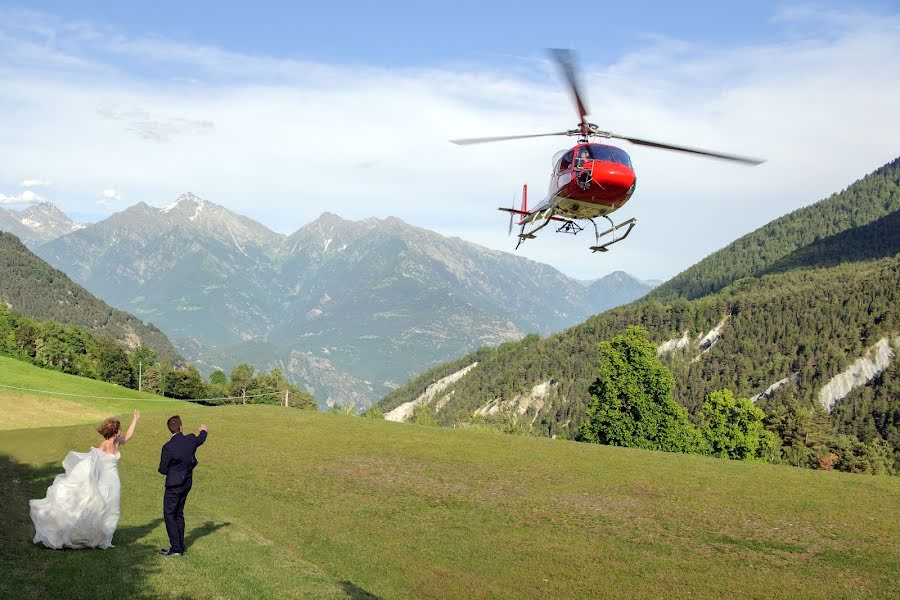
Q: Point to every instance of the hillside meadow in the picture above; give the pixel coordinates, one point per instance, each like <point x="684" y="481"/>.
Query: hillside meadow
<point x="300" y="504"/>
<point x="77" y="399"/>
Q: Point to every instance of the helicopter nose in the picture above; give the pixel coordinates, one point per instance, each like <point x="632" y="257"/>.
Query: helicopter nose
<point x="614" y="177"/>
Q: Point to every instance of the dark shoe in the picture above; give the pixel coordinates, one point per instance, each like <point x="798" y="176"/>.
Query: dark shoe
<point x="169" y="552"/>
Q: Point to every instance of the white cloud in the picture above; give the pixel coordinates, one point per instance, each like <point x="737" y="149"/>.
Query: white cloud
<point x="108" y="197"/>
<point x="282" y="141"/>
<point x="26" y="197"/>
<point x="34" y="183"/>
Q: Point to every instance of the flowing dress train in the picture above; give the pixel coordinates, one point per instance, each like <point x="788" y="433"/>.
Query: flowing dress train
<point x="81" y="509"/>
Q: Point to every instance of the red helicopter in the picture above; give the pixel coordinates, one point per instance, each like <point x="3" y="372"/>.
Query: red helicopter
<point x="589" y="180"/>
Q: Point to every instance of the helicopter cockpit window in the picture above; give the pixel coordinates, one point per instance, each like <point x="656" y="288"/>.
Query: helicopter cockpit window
<point x="610" y="154"/>
<point x="565" y="162"/>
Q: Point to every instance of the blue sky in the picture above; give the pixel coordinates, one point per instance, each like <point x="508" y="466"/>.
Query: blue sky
<point x="422" y="33"/>
<point x="109" y="104"/>
<point x="416" y="34"/>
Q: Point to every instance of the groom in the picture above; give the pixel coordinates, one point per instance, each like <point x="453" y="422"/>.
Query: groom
<point x="177" y="464"/>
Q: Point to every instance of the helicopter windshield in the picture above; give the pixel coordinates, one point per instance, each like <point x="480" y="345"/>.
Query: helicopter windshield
<point x="609" y="154"/>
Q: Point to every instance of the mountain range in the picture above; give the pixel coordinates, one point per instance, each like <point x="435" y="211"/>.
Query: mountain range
<point x="351" y="310"/>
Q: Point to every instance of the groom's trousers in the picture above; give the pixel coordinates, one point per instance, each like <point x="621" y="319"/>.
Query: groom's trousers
<point x="173" y="514"/>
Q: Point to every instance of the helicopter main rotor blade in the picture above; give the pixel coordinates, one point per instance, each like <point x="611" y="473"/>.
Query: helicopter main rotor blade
<point x="747" y="160"/>
<point x="566" y="62"/>
<point x="485" y="140"/>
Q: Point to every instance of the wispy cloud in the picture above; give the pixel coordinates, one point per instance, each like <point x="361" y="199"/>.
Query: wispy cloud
<point x="34" y="183"/>
<point x="283" y="140"/>
<point x="152" y="127"/>
<point x="26" y="197"/>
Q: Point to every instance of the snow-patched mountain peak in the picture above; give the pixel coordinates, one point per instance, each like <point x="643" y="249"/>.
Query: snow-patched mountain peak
<point x="217" y="222"/>
<point x="186" y="198"/>
<point x="46" y="221"/>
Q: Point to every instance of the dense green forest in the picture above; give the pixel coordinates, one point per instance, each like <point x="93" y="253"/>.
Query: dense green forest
<point x="813" y="306"/>
<point x="770" y="247"/>
<point x="34" y="289"/>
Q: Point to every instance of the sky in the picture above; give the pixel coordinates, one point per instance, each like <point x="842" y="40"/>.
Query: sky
<point x="281" y="112"/>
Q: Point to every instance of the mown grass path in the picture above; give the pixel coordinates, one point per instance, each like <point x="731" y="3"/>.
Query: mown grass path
<point x="290" y="503"/>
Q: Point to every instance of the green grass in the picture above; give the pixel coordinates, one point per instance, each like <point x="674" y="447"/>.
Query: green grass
<point x="20" y="409"/>
<point x="295" y="504"/>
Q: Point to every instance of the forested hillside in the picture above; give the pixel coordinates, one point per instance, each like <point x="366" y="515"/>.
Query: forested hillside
<point x="772" y="246"/>
<point x="34" y="289"/>
<point x="812" y="309"/>
<point x="813" y="322"/>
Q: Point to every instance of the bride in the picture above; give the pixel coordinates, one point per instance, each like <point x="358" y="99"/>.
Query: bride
<point x="81" y="509"/>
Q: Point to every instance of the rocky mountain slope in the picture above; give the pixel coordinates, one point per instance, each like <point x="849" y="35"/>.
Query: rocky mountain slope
<point x="350" y="309"/>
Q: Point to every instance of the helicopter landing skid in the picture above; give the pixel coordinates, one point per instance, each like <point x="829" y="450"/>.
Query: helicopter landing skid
<point x="614" y="230"/>
<point x="530" y="235"/>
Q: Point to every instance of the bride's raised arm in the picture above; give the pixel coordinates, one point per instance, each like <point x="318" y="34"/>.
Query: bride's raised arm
<point x="124" y="438"/>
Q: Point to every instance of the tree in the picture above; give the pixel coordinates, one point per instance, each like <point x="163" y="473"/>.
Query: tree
<point x="186" y="383"/>
<point x="142" y="359"/>
<point x="165" y="374"/>
<point x="52" y="353"/>
<point x="631" y="400"/>
<point x="217" y="389"/>
<point x="143" y="356"/>
<point x="152" y="380"/>
<point x="301" y="399"/>
<point x="243" y="379"/>
<point x="113" y="364"/>
<point x="218" y="377"/>
<point x="855" y="456"/>
<point x="733" y="428"/>
<point x="423" y="414"/>
<point x="373" y="412"/>
<point x="26" y="339"/>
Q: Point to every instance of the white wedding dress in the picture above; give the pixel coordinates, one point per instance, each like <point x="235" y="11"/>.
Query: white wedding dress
<point x="81" y="509"/>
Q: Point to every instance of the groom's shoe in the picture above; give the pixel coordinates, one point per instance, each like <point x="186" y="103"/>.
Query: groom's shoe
<point x="169" y="552"/>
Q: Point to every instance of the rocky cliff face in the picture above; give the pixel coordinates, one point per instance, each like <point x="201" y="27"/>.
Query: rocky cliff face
<point x="862" y="371"/>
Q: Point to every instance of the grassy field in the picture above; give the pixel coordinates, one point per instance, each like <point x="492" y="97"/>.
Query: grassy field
<point x="71" y="405"/>
<point x="295" y="504"/>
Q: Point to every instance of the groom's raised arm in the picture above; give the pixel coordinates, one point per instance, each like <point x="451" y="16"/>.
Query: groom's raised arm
<point x="164" y="460"/>
<point x="201" y="437"/>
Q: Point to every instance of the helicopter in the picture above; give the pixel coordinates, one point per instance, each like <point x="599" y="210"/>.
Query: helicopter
<point x="589" y="180"/>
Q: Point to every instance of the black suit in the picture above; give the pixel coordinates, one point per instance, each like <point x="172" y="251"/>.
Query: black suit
<point x="177" y="463"/>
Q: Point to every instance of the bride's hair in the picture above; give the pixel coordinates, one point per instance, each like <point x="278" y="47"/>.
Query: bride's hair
<point x="109" y="427"/>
